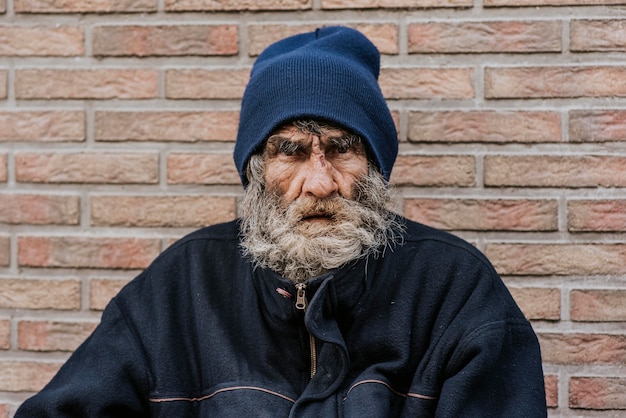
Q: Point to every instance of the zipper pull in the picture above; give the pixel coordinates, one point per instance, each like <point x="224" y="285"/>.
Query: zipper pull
<point x="301" y="296"/>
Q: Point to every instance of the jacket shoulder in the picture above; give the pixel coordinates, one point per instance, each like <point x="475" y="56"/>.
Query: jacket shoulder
<point x="191" y="258"/>
<point x="415" y="232"/>
<point x="214" y="236"/>
<point x="222" y="231"/>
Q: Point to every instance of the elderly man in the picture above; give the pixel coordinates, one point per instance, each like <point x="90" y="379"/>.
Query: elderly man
<point x="319" y="301"/>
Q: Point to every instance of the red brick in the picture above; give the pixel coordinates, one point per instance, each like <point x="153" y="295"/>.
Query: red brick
<point x="101" y="291"/>
<point x="558" y="259"/>
<point x="573" y="349"/>
<point x="598" y="35"/>
<point x="163" y="40"/>
<point x="42" y="126"/>
<point x="39" y="294"/>
<point x="596" y="215"/>
<point x="183" y="168"/>
<point x="599" y="393"/>
<point x="434" y="170"/>
<point x="551" y="383"/>
<point x="512" y="3"/>
<point x="5" y="250"/>
<point x="597" y="125"/>
<point x="555" y="82"/>
<point x="206" y="84"/>
<point x="393" y="4"/>
<point x="235" y="5"/>
<point x="161" y="211"/>
<point x="26" y="376"/>
<point x="538" y="303"/>
<point x="5" y="335"/>
<point x="86" y="84"/>
<point x="555" y="171"/>
<point x="383" y="35"/>
<point x="598" y="305"/>
<point x="178" y="126"/>
<point x="39" y="209"/>
<point x="86" y="252"/>
<point x="96" y="167"/>
<point x="21" y="41"/>
<point x="84" y="6"/>
<point x="485" y="37"/>
<point x="484" y="126"/>
<point x="52" y="335"/>
<point x="427" y="83"/>
<point x="3" y="84"/>
<point x="484" y="214"/>
<point x="3" y="168"/>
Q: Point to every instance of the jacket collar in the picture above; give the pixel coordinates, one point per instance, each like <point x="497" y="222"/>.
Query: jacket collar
<point x="340" y="289"/>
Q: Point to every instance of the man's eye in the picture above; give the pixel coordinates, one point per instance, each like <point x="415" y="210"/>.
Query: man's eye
<point x="344" y="145"/>
<point x="342" y="149"/>
<point x="288" y="148"/>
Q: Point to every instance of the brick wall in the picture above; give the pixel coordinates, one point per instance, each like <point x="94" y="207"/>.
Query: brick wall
<point x="117" y="121"/>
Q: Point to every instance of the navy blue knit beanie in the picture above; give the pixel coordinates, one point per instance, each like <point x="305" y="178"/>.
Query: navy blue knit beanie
<point x="329" y="75"/>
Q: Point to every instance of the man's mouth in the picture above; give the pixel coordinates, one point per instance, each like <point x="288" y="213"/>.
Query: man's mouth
<point x="326" y="211"/>
<point x="317" y="216"/>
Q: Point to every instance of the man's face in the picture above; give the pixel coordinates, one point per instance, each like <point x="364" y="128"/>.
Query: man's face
<point x="313" y="204"/>
<point x="313" y="165"/>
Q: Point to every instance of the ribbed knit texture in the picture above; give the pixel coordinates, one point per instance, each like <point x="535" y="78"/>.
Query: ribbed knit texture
<point x="330" y="74"/>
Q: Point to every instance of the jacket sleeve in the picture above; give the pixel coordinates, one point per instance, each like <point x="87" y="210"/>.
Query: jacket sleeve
<point x="105" y="377"/>
<point x="495" y="372"/>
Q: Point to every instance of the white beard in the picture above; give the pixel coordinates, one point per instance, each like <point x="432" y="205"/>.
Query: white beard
<point x="282" y="240"/>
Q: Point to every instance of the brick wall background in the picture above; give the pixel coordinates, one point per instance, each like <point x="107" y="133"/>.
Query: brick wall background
<point x="117" y="122"/>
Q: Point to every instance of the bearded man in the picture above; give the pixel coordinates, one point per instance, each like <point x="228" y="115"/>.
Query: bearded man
<point x="324" y="223"/>
<point x="319" y="301"/>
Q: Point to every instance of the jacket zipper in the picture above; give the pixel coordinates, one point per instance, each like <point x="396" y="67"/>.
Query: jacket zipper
<point x="301" y="304"/>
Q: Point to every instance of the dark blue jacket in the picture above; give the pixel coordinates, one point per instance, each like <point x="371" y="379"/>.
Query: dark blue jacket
<point x="427" y="330"/>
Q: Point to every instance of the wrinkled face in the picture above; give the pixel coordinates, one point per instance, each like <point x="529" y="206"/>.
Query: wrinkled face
<point x="321" y="165"/>
<point x="313" y="203"/>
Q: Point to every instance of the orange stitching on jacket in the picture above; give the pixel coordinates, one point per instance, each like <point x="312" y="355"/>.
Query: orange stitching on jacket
<point x="202" y="398"/>
<point x="380" y="382"/>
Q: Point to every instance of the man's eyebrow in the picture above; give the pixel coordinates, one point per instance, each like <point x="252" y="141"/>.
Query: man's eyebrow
<point x="277" y="138"/>
<point x="286" y="144"/>
<point x="281" y="143"/>
<point x="345" y="140"/>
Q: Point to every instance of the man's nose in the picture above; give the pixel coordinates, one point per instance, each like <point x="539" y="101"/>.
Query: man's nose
<point x="319" y="180"/>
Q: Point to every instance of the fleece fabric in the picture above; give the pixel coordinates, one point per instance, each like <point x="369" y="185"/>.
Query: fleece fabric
<point x="426" y="330"/>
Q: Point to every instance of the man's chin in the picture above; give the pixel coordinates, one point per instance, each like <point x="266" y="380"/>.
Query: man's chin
<point x="314" y="227"/>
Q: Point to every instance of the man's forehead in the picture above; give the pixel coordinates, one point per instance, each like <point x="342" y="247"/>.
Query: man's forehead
<point x="293" y="132"/>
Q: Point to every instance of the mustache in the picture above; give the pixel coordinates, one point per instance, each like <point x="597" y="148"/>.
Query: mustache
<point x="308" y="207"/>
